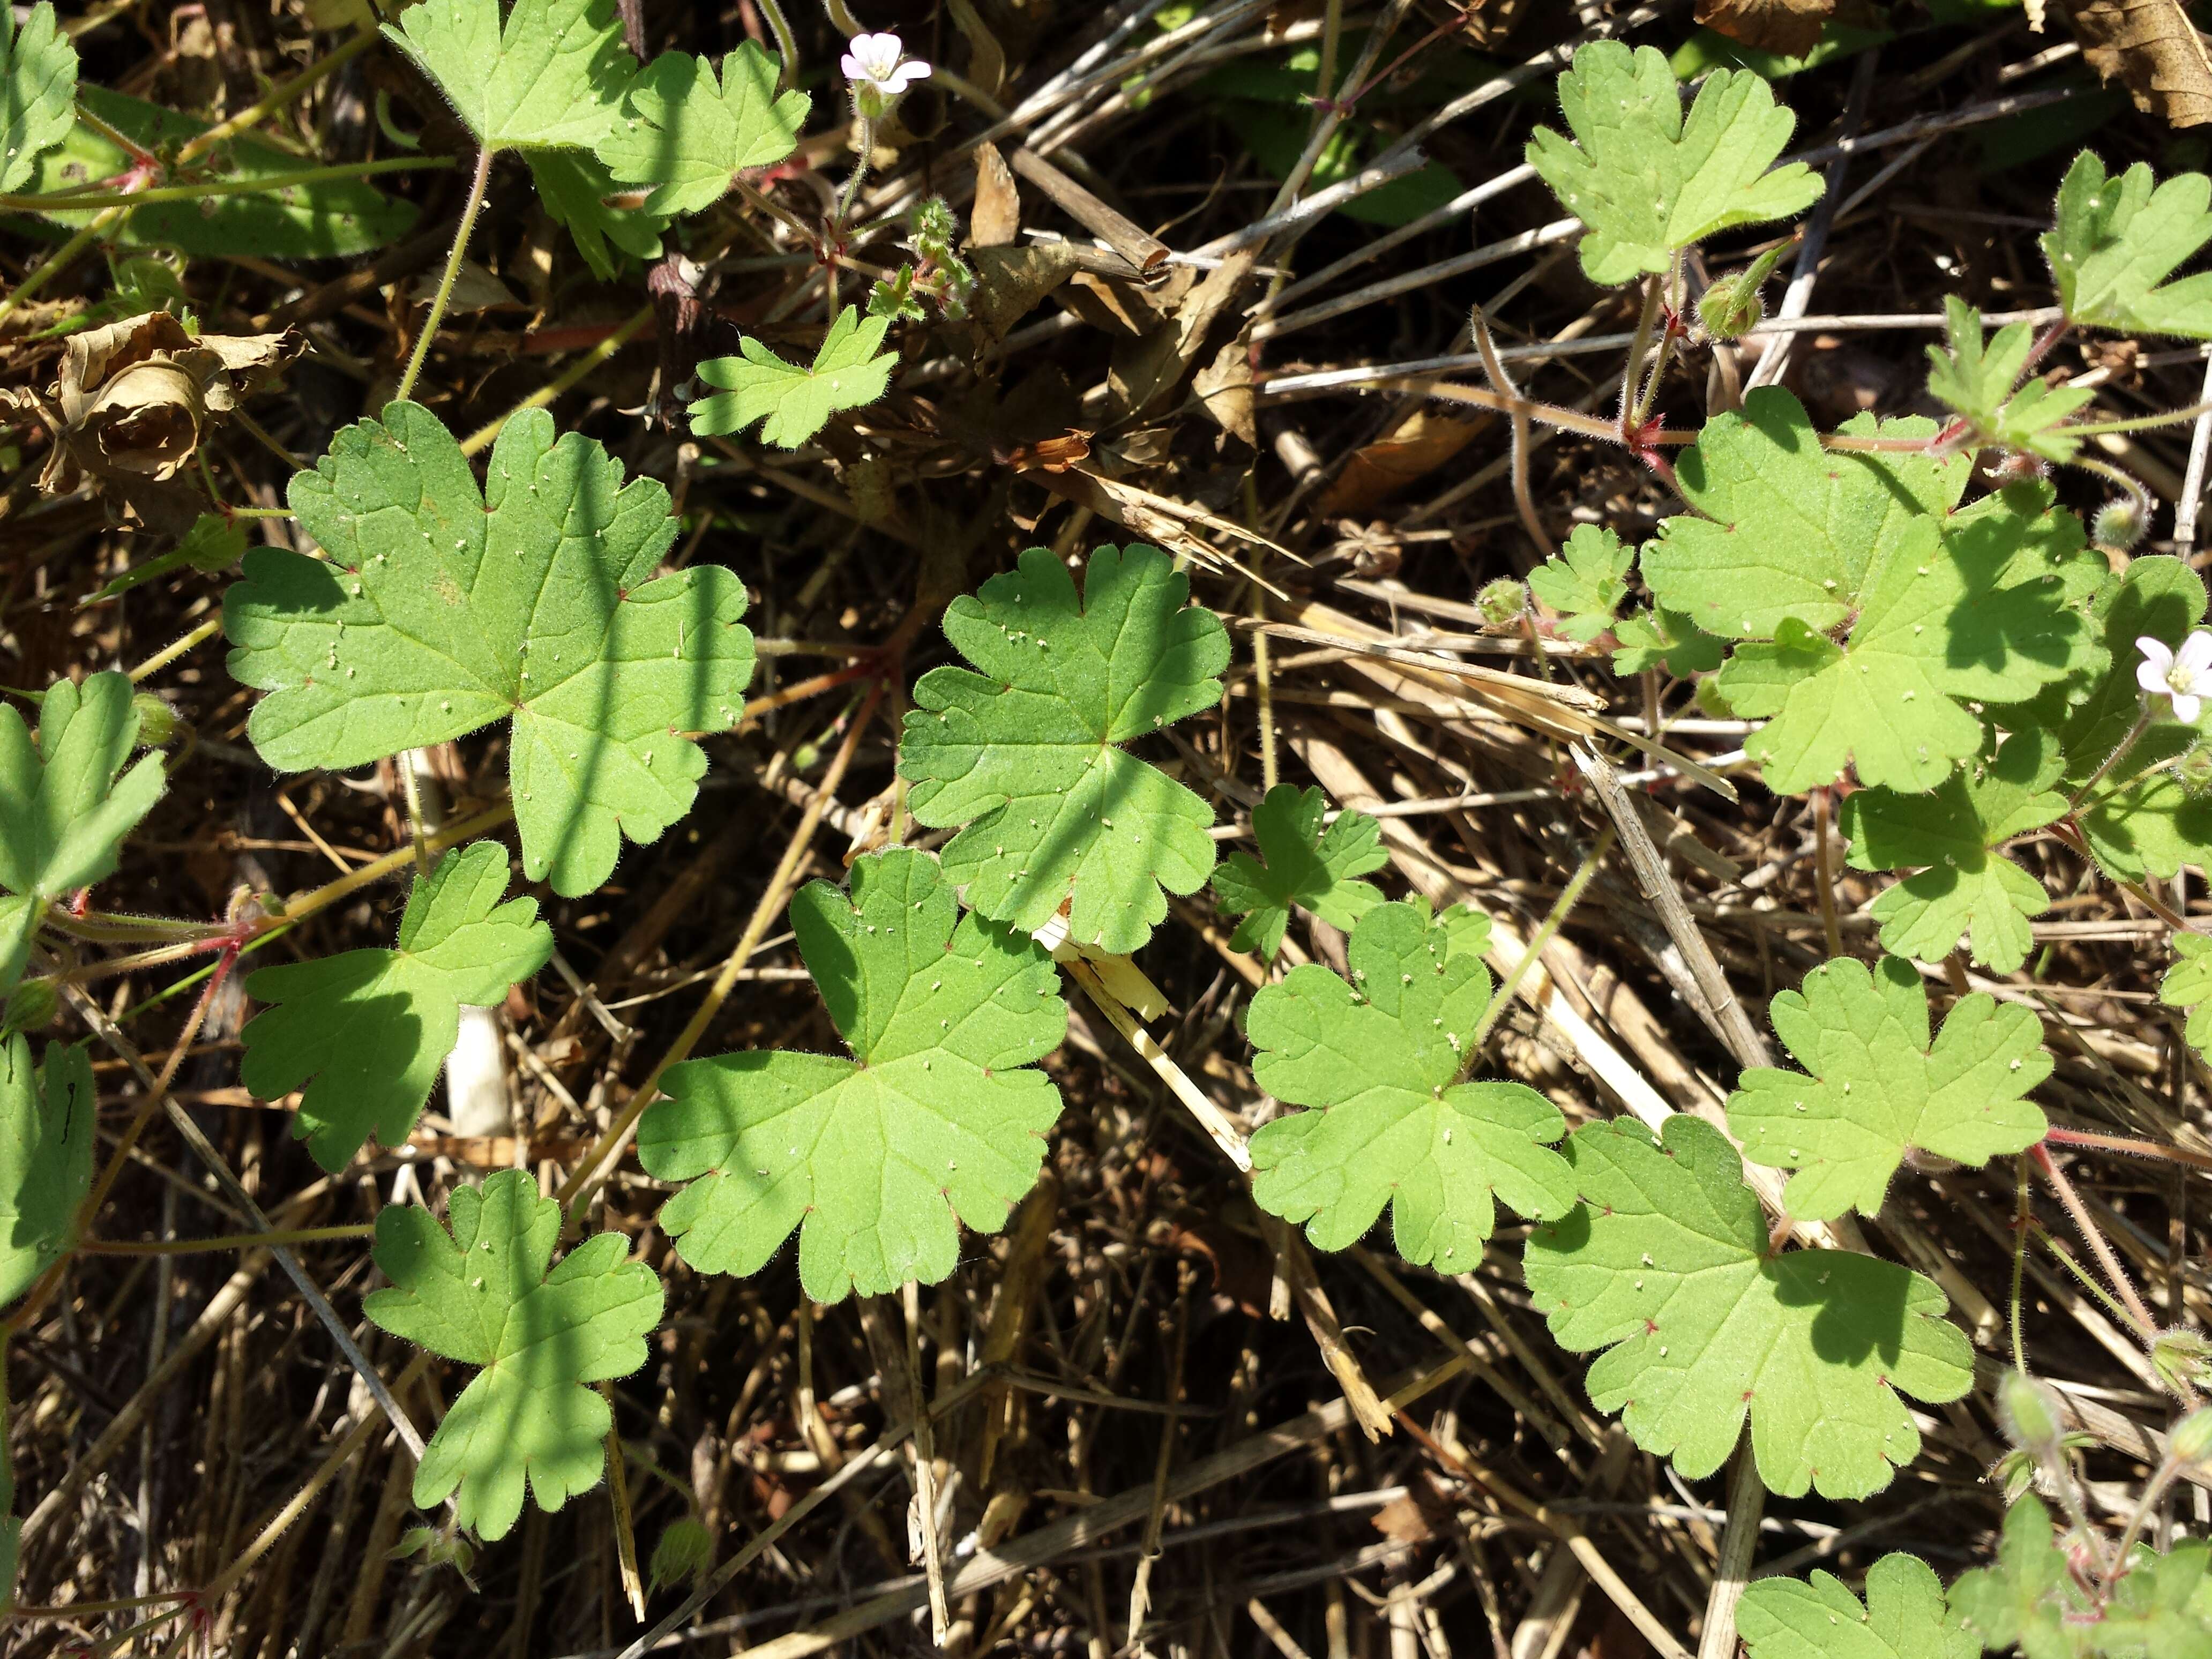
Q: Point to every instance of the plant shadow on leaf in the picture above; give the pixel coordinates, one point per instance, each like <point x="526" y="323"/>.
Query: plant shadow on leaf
<point x="1855" y="1319"/>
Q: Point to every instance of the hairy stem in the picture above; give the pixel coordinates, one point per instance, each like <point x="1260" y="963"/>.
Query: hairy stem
<point x="82" y="200"/>
<point x="469" y="211"/>
<point x="2093" y="1237"/>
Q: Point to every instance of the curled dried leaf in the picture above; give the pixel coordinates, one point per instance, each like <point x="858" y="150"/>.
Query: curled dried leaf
<point x="134" y="401"/>
<point x="2154" y="47"/>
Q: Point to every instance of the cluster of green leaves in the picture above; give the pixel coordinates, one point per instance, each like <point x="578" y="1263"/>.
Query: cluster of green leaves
<point x="555" y="83"/>
<point x="2031" y="1599"/>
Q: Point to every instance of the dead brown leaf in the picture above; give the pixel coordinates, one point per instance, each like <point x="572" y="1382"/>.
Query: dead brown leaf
<point x="1791" y="27"/>
<point x="1010" y="281"/>
<point x="996" y="217"/>
<point x="1223" y="389"/>
<point x="2154" y="47"/>
<point x="133" y="402"/>
<point x="1416" y="447"/>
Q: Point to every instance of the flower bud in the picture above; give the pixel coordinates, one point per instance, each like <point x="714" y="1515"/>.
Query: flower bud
<point x="2193" y="770"/>
<point x="2183" y="1360"/>
<point x="2119" y="524"/>
<point x="2029" y="1411"/>
<point x="157" y="722"/>
<point x="2191" y="1443"/>
<point x="1731" y="307"/>
<point x="1503" y="602"/>
<point x="685" y="1550"/>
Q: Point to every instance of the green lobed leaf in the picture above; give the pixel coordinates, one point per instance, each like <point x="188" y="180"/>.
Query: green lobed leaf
<point x="65" y="801"/>
<point x="552" y="76"/>
<point x="331" y="220"/>
<point x="2115" y="241"/>
<point x="688" y="136"/>
<point x="1904" y="1616"/>
<point x="795" y="403"/>
<point x="574" y="184"/>
<point x="1965" y="887"/>
<point x="481" y="1294"/>
<point x="1664" y="1262"/>
<point x="937" y="1118"/>
<point x="1659" y="638"/>
<point x="1978" y="384"/>
<point x="1027" y="754"/>
<point x="37" y="92"/>
<point x="48" y="1128"/>
<point x="1306" y="866"/>
<point x="2188" y="984"/>
<point x="444" y="608"/>
<point x="2031" y="1599"/>
<point x="1585" y="582"/>
<point x="1790" y="530"/>
<point x="1648" y="183"/>
<point x="366" y="1032"/>
<point x="1379" y="1062"/>
<point x="1881" y="1090"/>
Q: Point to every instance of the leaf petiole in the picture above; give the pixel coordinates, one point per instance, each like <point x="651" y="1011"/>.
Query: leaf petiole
<point x="461" y="232"/>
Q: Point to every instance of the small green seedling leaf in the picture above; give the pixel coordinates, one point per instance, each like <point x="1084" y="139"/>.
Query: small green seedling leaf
<point x="444" y="608"/>
<point x="1904" y="1616"/>
<point x="1978" y="384"/>
<point x="688" y="136"/>
<point x="1649" y="184"/>
<point x="1378" y="1061"/>
<point x="552" y="77"/>
<point x="1585" y="582"/>
<point x="937" y="1118"/>
<point x="47" y="1131"/>
<point x="2115" y="242"/>
<point x="1028" y="753"/>
<point x="37" y="92"/>
<point x="65" y="802"/>
<point x="481" y="1294"/>
<point x="366" y="1032"/>
<point x="1665" y="1262"/>
<point x="2188" y="984"/>
<point x="850" y="371"/>
<point x="1658" y="638"/>
<point x="1965" y="887"/>
<point x="1306" y="866"/>
<point x="2031" y="1598"/>
<point x="1879" y="1090"/>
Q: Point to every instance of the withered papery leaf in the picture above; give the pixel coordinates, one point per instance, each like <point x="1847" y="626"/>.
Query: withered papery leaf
<point x="2152" y="46"/>
<point x="133" y="402"/>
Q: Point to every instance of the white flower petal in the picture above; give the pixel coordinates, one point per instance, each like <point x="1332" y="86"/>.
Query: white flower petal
<point x="2196" y="653"/>
<point x="2185" y="707"/>
<point x="2152" y="678"/>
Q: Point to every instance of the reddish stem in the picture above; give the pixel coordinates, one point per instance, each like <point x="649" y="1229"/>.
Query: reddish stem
<point x="2093" y="1237"/>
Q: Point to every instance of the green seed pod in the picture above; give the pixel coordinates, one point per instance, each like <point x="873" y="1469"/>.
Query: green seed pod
<point x="1503" y="602"/>
<point x="31" y="1007"/>
<point x="2029" y="1411"/>
<point x="2119" y="524"/>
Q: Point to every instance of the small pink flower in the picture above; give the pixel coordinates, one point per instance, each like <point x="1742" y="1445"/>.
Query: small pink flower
<point x="2185" y="676"/>
<point x="880" y="71"/>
